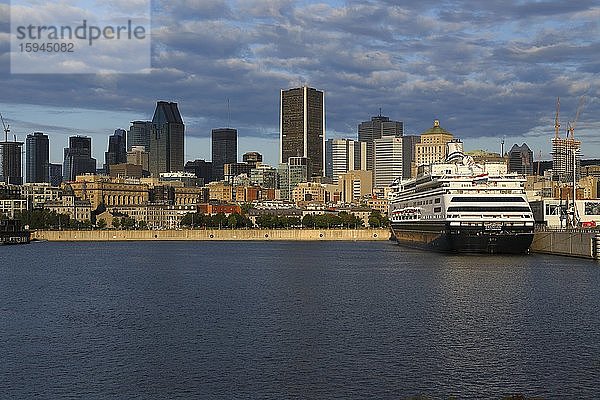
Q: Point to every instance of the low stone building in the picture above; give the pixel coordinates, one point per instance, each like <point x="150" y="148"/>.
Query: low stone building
<point x="377" y="204"/>
<point x="109" y="191"/>
<point x="309" y="192"/>
<point x="79" y="210"/>
<point x="220" y="191"/>
<point x="8" y="207"/>
<point x="37" y="194"/>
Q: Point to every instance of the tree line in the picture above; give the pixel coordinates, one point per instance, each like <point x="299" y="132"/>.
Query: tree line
<point x="46" y="219"/>
<point x="40" y="218"/>
<point x="323" y="221"/>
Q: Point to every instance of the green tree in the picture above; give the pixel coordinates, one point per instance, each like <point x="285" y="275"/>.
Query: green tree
<point x="245" y="207"/>
<point x="75" y="224"/>
<point x="377" y="220"/>
<point x="293" y="222"/>
<point x="374" y="221"/>
<point x="308" y="221"/>
<point x="232" y="221"/>
<point x="116" y="223"/>
<point x="194" y="220"/>
<point x="127" y="222"/>
<point x="264" y="221"/>
<point x="219" y="220"/>
<point x="40" y="218"/>
<point x="101" y="223"/>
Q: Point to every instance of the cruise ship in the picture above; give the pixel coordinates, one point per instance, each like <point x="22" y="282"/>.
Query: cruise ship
<point x="463" y="207"/>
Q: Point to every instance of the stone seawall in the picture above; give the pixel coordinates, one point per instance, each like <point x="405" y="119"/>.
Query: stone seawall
<point x="214" y="234"/>
<point x="573" y="244"/>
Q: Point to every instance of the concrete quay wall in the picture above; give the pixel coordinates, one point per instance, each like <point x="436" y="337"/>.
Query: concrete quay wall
<point x="214" y="234"/>
<point x="573" y="244"/>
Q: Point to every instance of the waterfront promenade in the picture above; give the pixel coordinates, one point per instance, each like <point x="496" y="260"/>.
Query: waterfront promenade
<point x="213" y="235"/>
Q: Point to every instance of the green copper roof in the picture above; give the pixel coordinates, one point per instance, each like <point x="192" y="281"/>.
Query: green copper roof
<point x="436" y="130"/>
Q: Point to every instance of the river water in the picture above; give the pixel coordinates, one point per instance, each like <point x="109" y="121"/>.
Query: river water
<point x="297" y="320"/>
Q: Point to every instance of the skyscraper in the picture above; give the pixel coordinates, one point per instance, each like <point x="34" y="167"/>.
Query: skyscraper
<point x="78" y="158"/>
<point x="388" y="160"/>
<point x="56" y="175"/>
<point x="138" y="156"/>
<point x="252" y="157"/>
<point x="520" y="160"/>
<point x="139" y="134"/>
<point x="224" y="150"/>
<point x="302" y="127"/>
<point x="10" y="162"/>
<point x="291" y="174"/>
<point x="409" y="158"/>
<point x="565" y="158"/>
<point x="117" y="151"/>
<point x="200" y="168"/>
<point x="376" y="128"/>
<point x="37" y="150"/>
<point x="166" y="139"/>
<point x="343" y="155"/>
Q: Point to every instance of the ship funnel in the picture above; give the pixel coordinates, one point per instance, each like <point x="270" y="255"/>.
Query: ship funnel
<point x="455" y="151"/>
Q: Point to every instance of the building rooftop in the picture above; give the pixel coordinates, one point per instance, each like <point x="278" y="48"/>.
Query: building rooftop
<point x="436" y="129"/>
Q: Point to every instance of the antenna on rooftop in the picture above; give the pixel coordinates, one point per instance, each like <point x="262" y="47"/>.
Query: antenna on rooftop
<point x="556" y="118"/>
<point x="228" y="114"/>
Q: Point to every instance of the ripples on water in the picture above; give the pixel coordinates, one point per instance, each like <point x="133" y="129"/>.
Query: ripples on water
<point x="293" y="320"/>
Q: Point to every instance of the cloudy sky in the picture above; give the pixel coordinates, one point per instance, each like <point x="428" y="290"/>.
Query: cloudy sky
<point x="485" y="69"/>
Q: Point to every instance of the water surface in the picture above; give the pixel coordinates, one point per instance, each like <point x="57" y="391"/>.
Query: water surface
<point x="301" y="320"/>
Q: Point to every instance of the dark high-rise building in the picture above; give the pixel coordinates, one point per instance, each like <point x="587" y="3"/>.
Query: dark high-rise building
<point x="10" y="162"/>
<point x="78" y="158"/>
<point x="231" y="170"/>
<point x="376" y="128"/>
<point x="117" y="150"/>
<point x="200" y="168"/>
<point x="166" y="139"/>
<point x="139" y="135"/>
<point x="408" y="154"/>
<point x="55" y="174"/>
<point x="253" y="158"/>
<point x="37" y="150"/>
<point x="224" y="150"/>
<point x="520" y="159"/>
<point x="302" y="127"/>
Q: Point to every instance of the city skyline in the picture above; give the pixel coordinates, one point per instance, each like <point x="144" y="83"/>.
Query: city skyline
<point x="248" y="144"/>
<point x="485" y="70"/>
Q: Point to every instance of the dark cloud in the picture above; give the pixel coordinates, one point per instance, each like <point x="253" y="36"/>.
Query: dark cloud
<point x="483" y="68"/>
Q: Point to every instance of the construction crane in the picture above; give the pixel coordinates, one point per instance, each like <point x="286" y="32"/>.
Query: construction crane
<point x="571" y="124"/>
<point x="6" y="128"/>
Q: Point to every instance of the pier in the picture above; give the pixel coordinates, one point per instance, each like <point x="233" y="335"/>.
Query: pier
<point x="583" y="243"/>
<point x="213" y="235"/>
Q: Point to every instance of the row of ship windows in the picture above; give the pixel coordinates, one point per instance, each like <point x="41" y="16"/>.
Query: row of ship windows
<point x="463" y="216"/>
<point x="422" y="203"/>
<point x="490" y="209"/>
<point x="487" y="199"/>
<point x="516" y="191"/>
